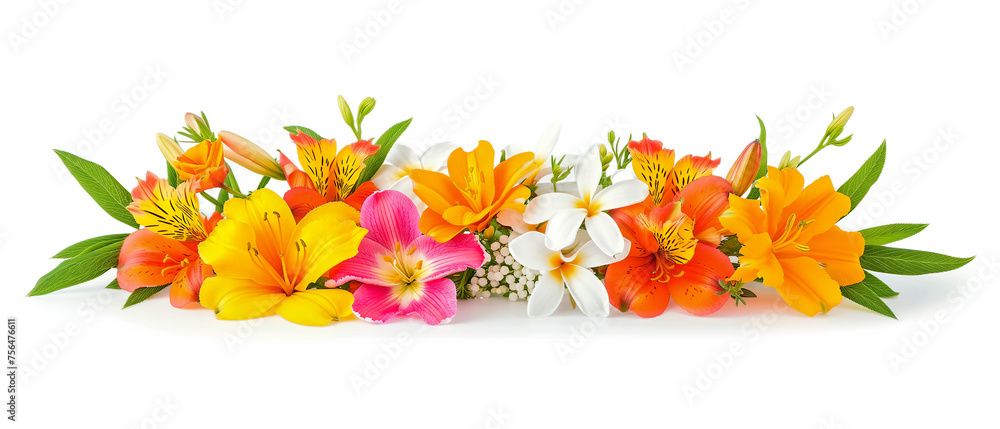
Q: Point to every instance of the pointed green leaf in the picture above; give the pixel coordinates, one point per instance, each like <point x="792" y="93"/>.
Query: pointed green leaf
<point x="878" y="286"/>
<point x="102" y="187"/>
<point x="89" y="244"/>
<point x="173" y="178"/>
<point x="295" y="129"/>
<point x="863" y="295"/>
<point x="142" y="294"/>
<point x="384" y="143"/>
<point x="908" y="262"/>
<point x="885" y="234"/>
<point x="72" y="272"/>
<point x="858" y="185"/>
<point x="113" y="285"/>
<point x="762" y="171"/>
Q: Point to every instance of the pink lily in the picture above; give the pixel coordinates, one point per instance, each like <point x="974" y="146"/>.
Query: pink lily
<point x="402" y="271"/>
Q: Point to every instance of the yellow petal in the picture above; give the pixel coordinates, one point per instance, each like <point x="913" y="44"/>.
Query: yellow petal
<point x="230" y="251"/>
<point x="327" y="236"/>
<point x="777" y="191"/>
<point x="820" y="204"/>
<point x="316" y="307"/>
<point x="758" y="261"/>
<point x="236" y="299"/>
<point x="744" y="218"/>
<point x="839" y="252"/>
<point x="807" y="287"/>
<point x="271" y="219"/>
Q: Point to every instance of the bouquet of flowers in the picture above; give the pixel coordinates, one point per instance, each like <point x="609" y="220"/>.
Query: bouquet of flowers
<point x="375" y="230"/>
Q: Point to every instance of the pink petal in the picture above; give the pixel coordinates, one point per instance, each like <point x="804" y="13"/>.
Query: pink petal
<point x="457" y="254"/>
<point x="375" y="304"/>
<point x="438" y="302"/>
<point x="390" y="217"/>
<point x="366" y="267"/>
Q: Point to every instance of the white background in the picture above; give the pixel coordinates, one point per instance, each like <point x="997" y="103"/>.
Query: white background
<point x="693" y="74"/>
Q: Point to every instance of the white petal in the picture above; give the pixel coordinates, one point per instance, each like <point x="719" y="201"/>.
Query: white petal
<point x="547" y="295"/>
<point x="387" y="175"/>
<point x="561" y="229"/>
<point x="436" y="156"/>
<point x="543" y="207"/>
<point x="587" y="290"/>
<point x="547" y="142"/>
<point x="404" y="157"/>
<point x="621" y="194"/>
<point x="621" y="175"/>
<point x="405" y="185"/>
<point x="591" y="256"/>
<point x="529" y="250"/>
<point x="588" y="173"/>
<point x="605" y="233"/>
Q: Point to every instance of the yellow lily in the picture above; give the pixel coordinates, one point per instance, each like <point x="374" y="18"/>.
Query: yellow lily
<point x="265" y="262"/>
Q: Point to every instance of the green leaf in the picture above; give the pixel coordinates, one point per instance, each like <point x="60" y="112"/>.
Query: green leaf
<point x="263" y="182"/>
<point x="102" y="187"/>
<point x="863" y="295"/>
<point x="908" y="262"/>
<point x="113" y="285"/>
<point x="762" y="171"/>
<point x="72" y="272"/>
<point x="173" y="178"/>
<point x="891" y="233"/>
<point x="89" y="244"/>
<point x="878" y="286"/>
<point x="384" y="143"/>
<point x="295" y="129"/>
<point x="858" y="185"/>
<point x="142" y="294"/>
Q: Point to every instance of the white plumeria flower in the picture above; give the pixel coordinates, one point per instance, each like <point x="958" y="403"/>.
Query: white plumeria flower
<point x="566" y="211"/>
<point x="542" y="151"/>
<point x="395" y="172"/>
<point x="559" y="270"/>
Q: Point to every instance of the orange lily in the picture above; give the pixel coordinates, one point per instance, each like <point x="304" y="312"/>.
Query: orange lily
<point x="166" y="250"/>
<point x="673" y="252"/>
<point x="655" y="166"/>
<point x="265" y="261"/>
<point x="790" y="240"/>
<point x="203" y="164"/>
<point x="473" y="191"/>
<point x="329" y="175"/>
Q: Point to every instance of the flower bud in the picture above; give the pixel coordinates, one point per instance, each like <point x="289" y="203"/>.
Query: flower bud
<point x="250" y="156"/>
<point x="744" y="170"/>
<point x="606" y="157"/>
<point x="788" y="162"/>
<point x="837" y="126"/>
<point x="194" y="122"/>
<point x="168" y="147"/>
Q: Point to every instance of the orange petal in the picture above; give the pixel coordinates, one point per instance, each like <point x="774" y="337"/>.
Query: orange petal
<point x="184" y="290"/>
<point x="758" y="261"/>
<point x="807" y="287"/>
<point x="630" y="287"/>
<point x="302" y="201"/>
<point x="777" y="190"/>
<point x="697" y="290"/>
<point x="818" y="203"/>
<point x="838" y="251"/>
<point x="149" y="259"/>
<point x="357" y="199"/>
<point x="704" y="200"/>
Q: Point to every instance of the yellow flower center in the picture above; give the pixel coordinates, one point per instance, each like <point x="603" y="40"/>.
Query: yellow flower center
<point x="407" y="270"/>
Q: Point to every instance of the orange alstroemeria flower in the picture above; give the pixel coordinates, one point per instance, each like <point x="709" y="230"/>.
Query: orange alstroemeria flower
<point x="655" y="166"/>
<point x="165" y="252"/>
<point x="203" y="165"/>
<point x="673" y="252"/>
<point x="790" y="240"/>
<point x="328" y="175"/>
<point x="473" y="191"/>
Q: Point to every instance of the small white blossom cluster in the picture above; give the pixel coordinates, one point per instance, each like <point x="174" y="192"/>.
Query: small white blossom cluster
<point x="501" y="275"/>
